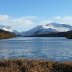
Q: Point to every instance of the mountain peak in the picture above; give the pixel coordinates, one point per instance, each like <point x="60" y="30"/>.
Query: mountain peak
<point x="48" y="28"/>
<point x="6" y="28"/>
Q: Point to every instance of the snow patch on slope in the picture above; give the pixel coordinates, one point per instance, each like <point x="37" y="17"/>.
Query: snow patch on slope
<point x="58" y="29"/>
<point x="6" y="28"/>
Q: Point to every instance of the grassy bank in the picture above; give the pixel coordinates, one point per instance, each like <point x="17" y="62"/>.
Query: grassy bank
<point x="25" y="65"/>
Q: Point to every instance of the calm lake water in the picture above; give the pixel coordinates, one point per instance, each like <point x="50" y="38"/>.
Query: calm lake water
<point x="51" y="48"/>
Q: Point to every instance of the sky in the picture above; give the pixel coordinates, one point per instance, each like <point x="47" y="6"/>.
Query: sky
<point x="23" y="15"/>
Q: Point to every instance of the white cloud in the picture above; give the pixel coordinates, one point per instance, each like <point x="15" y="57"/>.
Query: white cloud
<point x="65" y="19"/>
<point x="17" y="23"/>
<point x="58" y="19"/>
<point x="3" y="18"/>
<point x="27" y="22"/>
<point x="45" y="22"/>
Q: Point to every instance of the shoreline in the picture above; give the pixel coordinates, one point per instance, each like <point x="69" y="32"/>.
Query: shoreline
<point x="31" y="65"/>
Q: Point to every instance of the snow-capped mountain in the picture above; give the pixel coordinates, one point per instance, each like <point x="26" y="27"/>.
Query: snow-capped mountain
<point x="40" y="29"/>
<point x="48" y="28"/>
<point x="6" y="28"/>
<point x="58" y="27"/>
<point x="9" y="29"/>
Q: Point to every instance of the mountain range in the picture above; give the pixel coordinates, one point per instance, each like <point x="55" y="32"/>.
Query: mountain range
<point x="51" y="29"/>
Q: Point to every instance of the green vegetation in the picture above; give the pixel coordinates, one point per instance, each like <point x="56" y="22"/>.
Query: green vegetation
<point x="25" y="65"/>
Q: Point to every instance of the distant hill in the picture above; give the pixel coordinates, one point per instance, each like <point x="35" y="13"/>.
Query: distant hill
<point x="6" y="34"/>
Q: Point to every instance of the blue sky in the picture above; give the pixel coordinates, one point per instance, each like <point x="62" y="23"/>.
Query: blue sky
<point x="23" y="15"/>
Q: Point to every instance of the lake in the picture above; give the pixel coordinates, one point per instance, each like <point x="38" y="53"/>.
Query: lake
<point x="50" y="48"/>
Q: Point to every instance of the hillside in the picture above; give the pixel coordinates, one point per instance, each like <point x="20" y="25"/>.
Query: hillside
<point x="5" y="34"/>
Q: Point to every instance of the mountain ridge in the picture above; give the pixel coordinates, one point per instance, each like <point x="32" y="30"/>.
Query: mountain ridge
<point x="47" y="28"/>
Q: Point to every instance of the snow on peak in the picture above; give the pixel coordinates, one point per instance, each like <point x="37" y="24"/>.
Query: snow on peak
<point x="47" y="26"/>
<point x="56" y="27"/>
<point x="7" y="29"/>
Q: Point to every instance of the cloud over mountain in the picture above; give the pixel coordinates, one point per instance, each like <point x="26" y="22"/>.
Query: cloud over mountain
<point x="28" y="22"/>
<point x="65" y="19"/>
<point x="5" y="19"/>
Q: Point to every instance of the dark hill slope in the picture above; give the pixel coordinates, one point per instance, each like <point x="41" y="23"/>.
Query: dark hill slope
<point x="6" y="34"/>
<point x="54" y="34"/>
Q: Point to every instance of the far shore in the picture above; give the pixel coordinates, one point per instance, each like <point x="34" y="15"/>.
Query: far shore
<point x="30" y="65"/>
